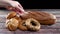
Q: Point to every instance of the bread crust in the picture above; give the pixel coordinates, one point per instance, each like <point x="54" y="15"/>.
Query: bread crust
<point x="44" y="18"/>
<point x="12" y="24"/>
<point x="22" y="26"/>
<point x="11" y="15"/>
<point x="32" y="24"/>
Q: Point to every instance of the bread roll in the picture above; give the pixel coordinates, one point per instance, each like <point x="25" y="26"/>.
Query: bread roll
<point x="12" y="24"/>
<point x="11" y="15"/>
<point x="22" y="26"/>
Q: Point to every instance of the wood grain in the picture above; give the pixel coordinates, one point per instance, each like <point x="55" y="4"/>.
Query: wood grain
<point x="6" y="31"/>
<point x="45" y="29"/>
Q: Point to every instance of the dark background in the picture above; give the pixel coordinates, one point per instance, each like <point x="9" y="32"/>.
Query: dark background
<point x="39" y="4"/>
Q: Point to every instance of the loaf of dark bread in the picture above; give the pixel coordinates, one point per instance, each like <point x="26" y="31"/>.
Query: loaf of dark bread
<point x="43" y="17"/>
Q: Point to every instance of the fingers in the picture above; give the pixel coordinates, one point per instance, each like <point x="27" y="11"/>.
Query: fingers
<point x="20" y="6"/>
<point x="14" y="9"/>
<point x="18" y="10"/>
<point x="8" y="7"/>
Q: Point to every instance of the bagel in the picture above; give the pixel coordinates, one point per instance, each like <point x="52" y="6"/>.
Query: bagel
<point x="22" y="26"/>
<point x="11" y="15"/>
<point x="12" y="24"/>
<point x="32" y="24"/>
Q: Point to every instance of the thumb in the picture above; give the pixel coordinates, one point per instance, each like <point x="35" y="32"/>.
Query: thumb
<point x="9" y="7"/>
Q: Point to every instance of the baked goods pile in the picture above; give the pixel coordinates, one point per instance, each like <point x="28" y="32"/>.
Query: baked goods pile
<point x="31" y="21"/>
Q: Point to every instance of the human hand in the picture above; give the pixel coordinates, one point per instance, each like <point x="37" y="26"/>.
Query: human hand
<point x="12" y="5"/>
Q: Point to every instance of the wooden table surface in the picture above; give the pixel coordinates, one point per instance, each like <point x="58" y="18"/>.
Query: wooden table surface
<point x="53" y="29"/>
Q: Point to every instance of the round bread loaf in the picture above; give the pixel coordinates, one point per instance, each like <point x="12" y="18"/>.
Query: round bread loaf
<point x="12" y="24"/>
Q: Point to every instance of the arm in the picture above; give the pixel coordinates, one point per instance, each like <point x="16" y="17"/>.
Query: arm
<point x="4" y="3"/>
<point x="12" y="5"/>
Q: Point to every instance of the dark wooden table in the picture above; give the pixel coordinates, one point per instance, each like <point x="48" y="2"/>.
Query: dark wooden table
<point x="53" y="29"/>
